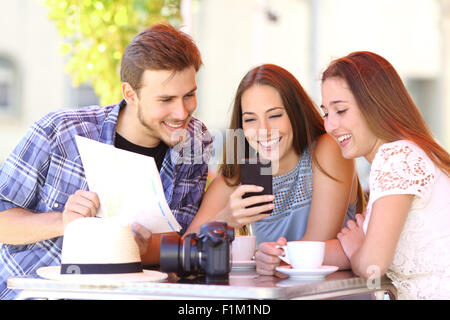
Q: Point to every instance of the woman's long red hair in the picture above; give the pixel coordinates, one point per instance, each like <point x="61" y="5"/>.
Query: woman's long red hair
<point x="385" y="102"/>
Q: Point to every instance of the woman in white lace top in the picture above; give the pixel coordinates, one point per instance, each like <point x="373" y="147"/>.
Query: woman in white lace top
<point x="405" y="232"/>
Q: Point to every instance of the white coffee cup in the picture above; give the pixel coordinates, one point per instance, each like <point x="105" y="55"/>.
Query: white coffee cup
<point x="304" y="254"/>
<point x="243" y="248"/>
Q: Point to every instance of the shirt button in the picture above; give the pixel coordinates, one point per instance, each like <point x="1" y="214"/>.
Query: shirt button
<point x="55" y="205"/>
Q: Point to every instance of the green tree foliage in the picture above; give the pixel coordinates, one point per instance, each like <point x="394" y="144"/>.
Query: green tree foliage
<point x="96" y="32"/>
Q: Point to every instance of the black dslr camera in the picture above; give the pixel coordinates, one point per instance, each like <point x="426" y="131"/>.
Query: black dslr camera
<point x="208" y="253"/>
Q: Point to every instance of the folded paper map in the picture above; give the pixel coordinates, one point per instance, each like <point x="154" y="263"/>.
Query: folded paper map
<point x="128" y="185"/>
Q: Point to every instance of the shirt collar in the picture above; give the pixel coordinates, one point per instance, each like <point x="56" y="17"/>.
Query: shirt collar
<point x="108" y="131"/>
<point x="108" y="134"/>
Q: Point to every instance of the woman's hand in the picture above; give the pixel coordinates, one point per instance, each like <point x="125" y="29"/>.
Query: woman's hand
<point x="267" y="258"/>
<point x="352" y="237"/>
<point x="236" y="214"/>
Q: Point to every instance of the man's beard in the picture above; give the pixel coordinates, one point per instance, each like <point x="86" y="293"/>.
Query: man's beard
<point x="176" y="137"/>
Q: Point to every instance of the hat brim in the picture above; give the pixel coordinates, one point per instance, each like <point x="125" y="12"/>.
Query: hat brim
<point x="53" y="273"/>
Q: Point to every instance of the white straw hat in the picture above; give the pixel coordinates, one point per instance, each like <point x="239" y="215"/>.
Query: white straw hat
<point x="99" y="250"/>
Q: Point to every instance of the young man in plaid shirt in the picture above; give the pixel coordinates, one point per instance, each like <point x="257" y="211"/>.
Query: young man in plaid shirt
<point x="42" y="183"/>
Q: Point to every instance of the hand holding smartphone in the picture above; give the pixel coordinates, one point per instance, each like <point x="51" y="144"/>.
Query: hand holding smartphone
<point x="255" y="172"/>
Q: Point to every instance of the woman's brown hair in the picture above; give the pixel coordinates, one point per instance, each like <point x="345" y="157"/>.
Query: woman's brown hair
<point x="385" y="102"/>
<point x="306" y="121"/>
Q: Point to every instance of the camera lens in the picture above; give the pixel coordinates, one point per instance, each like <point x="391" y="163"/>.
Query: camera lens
<point x="179" y="255"/>
<point x="170" y="248"/>
<point x="189" y="254"/>
<point x="209" y="253"/>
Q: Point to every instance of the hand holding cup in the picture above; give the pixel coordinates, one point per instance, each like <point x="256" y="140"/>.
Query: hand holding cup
<point x="303" y="254"/>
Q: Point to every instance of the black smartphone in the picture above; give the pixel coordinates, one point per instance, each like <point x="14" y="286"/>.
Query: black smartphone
<point x="257" y="172"/>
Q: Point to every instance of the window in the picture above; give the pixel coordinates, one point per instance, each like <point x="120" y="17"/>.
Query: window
<point x="4" y="95"/>
<point x="426" y="95"/>
<point x="8" y="88"/>
<point x="83" y="96"/>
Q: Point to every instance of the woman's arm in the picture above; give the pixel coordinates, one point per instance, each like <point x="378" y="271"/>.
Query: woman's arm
<point x="224" y="203"/>
<point x="330" y="198"/>
<point x="376" y="250"/>
<point x="328" y="208"/>
<point x="214" y="200"/>
<point x="335" y="255"/>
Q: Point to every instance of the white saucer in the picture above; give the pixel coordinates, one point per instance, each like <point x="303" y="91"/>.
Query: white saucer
<point x="243" y="265"/>
<point x="307" y="274"/>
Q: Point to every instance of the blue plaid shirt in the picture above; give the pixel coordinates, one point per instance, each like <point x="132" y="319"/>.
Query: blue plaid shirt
<point x="45" y="169"/>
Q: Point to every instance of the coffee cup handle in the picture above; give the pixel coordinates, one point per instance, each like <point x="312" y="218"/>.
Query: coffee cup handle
<point x="285" y="257"/>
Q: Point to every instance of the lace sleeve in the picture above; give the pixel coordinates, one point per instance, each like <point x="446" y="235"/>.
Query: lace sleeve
<point x="401" y="168"/>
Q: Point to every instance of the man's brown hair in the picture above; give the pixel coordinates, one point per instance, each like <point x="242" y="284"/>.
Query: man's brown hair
<point x="159" y="47"/>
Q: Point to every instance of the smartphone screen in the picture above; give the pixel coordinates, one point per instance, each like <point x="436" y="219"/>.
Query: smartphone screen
<point x="257" y="173"/>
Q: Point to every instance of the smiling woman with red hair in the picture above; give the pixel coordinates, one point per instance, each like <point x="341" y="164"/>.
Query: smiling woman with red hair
<point x="405" y="232"/>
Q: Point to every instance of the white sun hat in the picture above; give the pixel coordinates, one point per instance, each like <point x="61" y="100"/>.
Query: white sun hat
<point x="99" y="250"/>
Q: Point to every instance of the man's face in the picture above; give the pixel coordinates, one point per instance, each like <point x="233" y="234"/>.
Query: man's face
<point x="164" y="105"/>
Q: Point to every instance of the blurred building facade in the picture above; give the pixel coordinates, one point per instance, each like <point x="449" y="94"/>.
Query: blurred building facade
<point x="302" y="36"/>
<point x="32" y="77"/>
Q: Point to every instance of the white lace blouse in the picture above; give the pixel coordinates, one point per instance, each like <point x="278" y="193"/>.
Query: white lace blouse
<point x="421" y="265"/>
